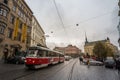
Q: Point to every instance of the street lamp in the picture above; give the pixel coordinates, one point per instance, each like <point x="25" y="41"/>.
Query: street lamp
<point x="77" y="24"/>
<point x="47" y="36"/>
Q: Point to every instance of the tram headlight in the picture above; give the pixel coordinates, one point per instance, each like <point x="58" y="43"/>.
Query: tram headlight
<point x="33" y="61"/>
<point x="25" y="60"/>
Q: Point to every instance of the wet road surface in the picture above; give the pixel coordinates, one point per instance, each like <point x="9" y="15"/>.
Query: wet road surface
<point x="69" y="70"/>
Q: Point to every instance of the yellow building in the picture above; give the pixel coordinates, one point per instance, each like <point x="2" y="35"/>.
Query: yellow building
<point x="89" y="46"/>
<point x="15" y="25"/>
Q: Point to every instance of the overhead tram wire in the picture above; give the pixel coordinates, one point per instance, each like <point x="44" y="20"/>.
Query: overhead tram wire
<point x="84" y="21"/>
<point x="95" y="17"/>
<point x="60" y="18"/>
<point x="87" y="20"/>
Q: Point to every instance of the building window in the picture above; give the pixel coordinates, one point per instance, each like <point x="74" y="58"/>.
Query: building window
<point x="19" y="12"/>
<point x="12" y="19"/>
<point x="28" y="29"/>
<point x="19" y="37"/>
<point x="20" y="25"/>
<point x="6" y="1"/>
<point x="14" y="8"/>
<point x="2" y="29"/>
<point x="22" y="7"/>
<point x="3" y="12"/>
<point x="10" y="32"/>
<point x="20" y="4"/>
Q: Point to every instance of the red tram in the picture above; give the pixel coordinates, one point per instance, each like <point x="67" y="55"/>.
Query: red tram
<point x="38" y="57"/>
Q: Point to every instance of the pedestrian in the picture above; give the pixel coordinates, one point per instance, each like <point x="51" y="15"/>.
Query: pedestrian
<point x="88" y="63"/>
<point x="81" y="59"/>
<point x="5" y="51"/>
<point x="118" y="65"/>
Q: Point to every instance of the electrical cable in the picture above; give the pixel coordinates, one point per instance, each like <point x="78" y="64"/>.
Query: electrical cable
<point x="60" y="18"/>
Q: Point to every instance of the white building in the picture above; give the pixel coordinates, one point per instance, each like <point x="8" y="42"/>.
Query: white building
<point x="37" y="34"/>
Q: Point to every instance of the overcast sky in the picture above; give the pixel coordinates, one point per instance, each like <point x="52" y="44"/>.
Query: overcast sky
<point x="98" y="18"/>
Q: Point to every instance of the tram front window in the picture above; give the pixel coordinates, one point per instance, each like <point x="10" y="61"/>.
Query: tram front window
<point x="32" y="53"/>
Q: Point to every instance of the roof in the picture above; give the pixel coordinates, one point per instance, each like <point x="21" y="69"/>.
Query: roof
<point x="38" y="23"/>
<point x="94" y="42"/>
<point x="27" y="6"/>
<point x="43" y="48"/>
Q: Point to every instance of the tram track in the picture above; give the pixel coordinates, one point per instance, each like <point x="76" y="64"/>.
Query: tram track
<point x="39" y="71"/>
<point x="12" y="73"/>
<point x="24" y="75"/>
<point x="53" y="74"/>
<point x="71" y="71"/>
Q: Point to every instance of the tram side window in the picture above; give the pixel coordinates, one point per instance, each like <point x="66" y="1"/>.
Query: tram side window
<point x="51" y="54"/>
<point x="41" y="53"/>
<point x="55" y="54"/>
<point x="47" y="53"/>
<point x="32" y="53"/>
<point x="61" y="55"/>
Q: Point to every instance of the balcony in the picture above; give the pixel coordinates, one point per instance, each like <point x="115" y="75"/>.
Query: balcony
<point x="4" y="11"/>
<point x="2" y="37"/>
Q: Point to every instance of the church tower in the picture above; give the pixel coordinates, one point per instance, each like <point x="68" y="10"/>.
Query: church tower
<point x="86" y="41"/>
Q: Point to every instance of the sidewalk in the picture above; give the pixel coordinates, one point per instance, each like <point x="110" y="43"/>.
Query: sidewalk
<point x="5" y="67"/>
<point x="1" y="61"/>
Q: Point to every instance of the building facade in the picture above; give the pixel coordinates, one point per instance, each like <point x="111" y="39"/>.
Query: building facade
<point x="89" y="46"/>
<point x="37" y="34"/>
<point x="72" y="51"/>
<point x="15" y="25"/>
<point x="60" y="49"/>
<point x="69" y="50"/>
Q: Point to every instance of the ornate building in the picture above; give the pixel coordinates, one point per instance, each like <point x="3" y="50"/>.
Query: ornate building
<point x="69" y="50"/>
<point x="60" y="49"/>
<point x="89" y="46"/>
<point x="15" y="25"/>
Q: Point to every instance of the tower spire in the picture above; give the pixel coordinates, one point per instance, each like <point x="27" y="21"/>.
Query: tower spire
<point x="86" y="41"/>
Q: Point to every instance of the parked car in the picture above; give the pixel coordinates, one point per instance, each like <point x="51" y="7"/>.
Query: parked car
<point x="99" y="59"/>
<point x="17" y="59"/>
<point x="96" y="63"/>
<point x="109" y="63"/>
<point x="85" y="61"/>
<point x="67" y="58"/>
<point x="93" y="62"/>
